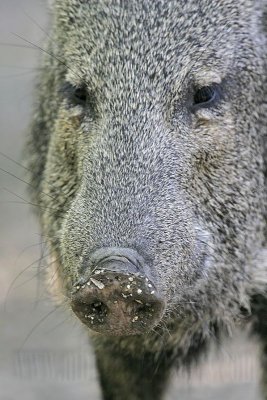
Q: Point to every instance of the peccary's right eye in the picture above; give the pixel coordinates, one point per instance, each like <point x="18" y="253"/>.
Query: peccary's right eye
<point x="207" y="96"/>
<point x="80" y="95"/>
<point x="76" y="95"/>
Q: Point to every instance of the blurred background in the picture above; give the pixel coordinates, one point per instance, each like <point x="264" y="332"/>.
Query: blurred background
<point x="44" y="352"/>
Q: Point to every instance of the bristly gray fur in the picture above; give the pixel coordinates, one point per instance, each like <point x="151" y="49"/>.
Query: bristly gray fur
<point x="138" y="168"/>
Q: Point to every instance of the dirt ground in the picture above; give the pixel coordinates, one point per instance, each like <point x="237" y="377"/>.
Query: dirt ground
<point x="44" y="351"/>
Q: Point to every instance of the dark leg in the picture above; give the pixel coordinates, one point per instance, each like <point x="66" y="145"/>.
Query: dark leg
<point x="124" y="377"/>
<point x="260" y="309"/>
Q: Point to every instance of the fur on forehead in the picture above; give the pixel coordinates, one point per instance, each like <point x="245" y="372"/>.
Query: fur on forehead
<point x="170" y="18"/>
<point x="90" y="25"/>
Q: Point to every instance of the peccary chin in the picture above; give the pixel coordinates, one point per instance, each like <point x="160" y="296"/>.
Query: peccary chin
<point x="138" y="166"/>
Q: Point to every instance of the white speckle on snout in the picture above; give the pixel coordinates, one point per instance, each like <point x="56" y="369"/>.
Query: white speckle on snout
<point x="128" y="286"/>
<point x="88" y="283"/>
<point x="153" y="291"/>
<point x="139" y="291"/>
<point x="135" y="319"/>
<point x="97" y="283"/>
<point x="130" y="279"/>
<point x="149" y="285"/>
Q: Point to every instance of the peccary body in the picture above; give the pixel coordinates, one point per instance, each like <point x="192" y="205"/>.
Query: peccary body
<point x="148" y="162"/>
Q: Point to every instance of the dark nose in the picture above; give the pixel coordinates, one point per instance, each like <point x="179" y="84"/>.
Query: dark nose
<point x="118" y="298"/>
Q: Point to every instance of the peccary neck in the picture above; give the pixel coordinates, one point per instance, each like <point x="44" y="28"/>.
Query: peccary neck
<point x="126" y="377"/>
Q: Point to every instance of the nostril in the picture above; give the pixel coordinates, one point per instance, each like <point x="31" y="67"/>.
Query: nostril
<point x="95" y="311"/>
<point x="98" y="307"/>
<point x="142" y="309"/>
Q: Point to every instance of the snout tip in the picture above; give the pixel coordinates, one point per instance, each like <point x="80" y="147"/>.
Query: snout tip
<point x="118" y="304"/>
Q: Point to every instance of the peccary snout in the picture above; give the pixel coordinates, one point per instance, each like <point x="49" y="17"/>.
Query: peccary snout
<point x="118" y="298"/>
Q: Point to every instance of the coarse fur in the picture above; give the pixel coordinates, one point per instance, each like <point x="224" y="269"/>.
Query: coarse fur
<point x="138" y="166"/>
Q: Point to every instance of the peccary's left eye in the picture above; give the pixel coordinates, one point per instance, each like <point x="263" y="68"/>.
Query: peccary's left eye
<point x="75" y="95"/>
<point x="206" y="96"/>
<point x="80" y="95"/>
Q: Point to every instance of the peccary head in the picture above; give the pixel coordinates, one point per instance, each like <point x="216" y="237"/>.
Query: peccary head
<point x="147" y="155"/>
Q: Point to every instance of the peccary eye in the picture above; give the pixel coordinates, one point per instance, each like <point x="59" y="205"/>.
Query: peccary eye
<point x="80" y="95"/>
<point x="75" y="95"/>
<point x="206" y="96"/>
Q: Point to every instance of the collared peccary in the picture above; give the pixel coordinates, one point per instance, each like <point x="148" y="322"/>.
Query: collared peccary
<point x="148" y="160"/>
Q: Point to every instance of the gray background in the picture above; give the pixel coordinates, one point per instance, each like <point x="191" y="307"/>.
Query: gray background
<point x="44" y="352"/>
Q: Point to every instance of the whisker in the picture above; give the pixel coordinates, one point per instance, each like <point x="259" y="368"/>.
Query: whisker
<point x="6" y="44"/>
<point x="38" y="324"/>
<point x="48" y="53"/>
<point x="16" y="278"/>
<point x="26" y="281"/>
<point x="26" y="169"/>
<point x="35" y="23"/>
<point x="27" y="202"/>
<point x="26" y="248"/>
<point x="20" y="67"/>
<point x="18" y="75"/>
<point x="14" y="161"/>
<point x="23" y="181"/>
<point x="38" y="287"/>
<point x="67" y="319"/>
